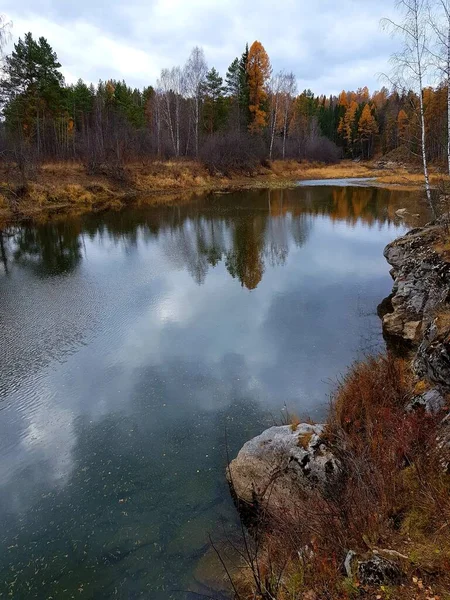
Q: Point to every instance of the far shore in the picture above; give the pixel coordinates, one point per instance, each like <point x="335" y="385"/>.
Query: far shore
<point x="67" y="187"/>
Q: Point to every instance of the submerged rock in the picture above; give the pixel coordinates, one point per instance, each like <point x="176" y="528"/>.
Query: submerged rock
<point x="271" y="467"/>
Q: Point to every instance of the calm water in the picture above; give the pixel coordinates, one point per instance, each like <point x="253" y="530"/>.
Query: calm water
<point x="131" y="341"/>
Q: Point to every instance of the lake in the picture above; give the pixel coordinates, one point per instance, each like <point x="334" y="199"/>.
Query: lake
<point x="139" y="346"/>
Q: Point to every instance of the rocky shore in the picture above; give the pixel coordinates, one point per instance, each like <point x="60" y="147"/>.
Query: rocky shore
<point x="290" y="462"/>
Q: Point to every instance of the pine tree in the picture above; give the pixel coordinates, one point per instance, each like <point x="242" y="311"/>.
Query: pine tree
<point x="214" y="107"/>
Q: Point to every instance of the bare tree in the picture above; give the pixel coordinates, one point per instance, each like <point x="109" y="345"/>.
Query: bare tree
<point x="171" y="87"/>
<point x="289" y="91"/>
<point x="5" y="34"/>
<point x="410" y="64"/>
<point x="195" y="72"/>
<point x="276" y="85"/>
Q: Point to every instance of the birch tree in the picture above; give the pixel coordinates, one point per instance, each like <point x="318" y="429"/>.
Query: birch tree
<point x="195" y="72"/>
<point x="276" y="85"/>
<point x="289" y="91"/>
<point x="410" y="64"/>
<point x="171" y="87"/>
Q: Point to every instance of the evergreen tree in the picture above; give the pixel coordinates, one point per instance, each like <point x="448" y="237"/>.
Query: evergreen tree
<point x="214" y="111"/>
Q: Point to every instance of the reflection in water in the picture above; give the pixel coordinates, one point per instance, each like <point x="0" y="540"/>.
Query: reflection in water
<point x="198" y="239"/>
<point x="131" y="343"/>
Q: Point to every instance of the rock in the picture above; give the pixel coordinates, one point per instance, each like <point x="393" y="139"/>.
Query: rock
<point x="443" y="444"/>
<point x="421" y="291"/>
<point x="431" y="401"/>
<point x="351" y="564"/>
<point x="376" y="570"/>
<point x="271" y="467"/>
<point x="401" y="213"/>
<point x="432" y="360"/>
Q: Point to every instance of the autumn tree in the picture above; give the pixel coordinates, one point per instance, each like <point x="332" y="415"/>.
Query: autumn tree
<point x="439" y="17"/>
<point x="367" y="128"/>
<point x="402" y="126"/>
<point x="348" y="125"/>
<point x="258" y="71"/>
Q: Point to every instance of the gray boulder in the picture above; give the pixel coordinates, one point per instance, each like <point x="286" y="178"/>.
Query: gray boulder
<point x="377" y="570"/>
<point x="270" y="468"/>
<point x="431" y="401"/>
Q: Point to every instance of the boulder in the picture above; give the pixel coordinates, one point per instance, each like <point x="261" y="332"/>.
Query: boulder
<point x="432" y="360"/>
<point x="431" y="401"/>
<point x="443" y="441"/>
<point x="271" y="467"/>
<point x="377" y="570"/>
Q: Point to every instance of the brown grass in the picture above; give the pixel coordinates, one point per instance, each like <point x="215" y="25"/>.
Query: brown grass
<point x="394" y="497"/>
<point x="67" y="185"/>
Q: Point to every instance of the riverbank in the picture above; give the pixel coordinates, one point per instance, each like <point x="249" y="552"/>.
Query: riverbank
<point x="69" y="188"/>
<point x="360" y="506"/>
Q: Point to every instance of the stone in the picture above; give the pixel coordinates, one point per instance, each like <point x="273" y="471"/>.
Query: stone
<point x="271" y="467"/>
<point x="376" y="570"/>
<point x="351" y="564"/>
<point x="431" y="401"/>
<point x="421" y="291"/>
<point x="443" y="444"/>
<point x="432" y="360"/>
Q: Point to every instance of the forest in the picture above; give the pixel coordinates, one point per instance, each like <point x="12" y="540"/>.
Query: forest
<point x="252" y="114"/>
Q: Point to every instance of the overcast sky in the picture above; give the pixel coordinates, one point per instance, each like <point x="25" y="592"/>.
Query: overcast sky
<point x="329" y="45"/>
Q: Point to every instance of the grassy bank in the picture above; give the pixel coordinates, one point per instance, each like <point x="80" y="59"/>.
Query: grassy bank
<point x="69" y="187"/>
<point x="394" y="501"/>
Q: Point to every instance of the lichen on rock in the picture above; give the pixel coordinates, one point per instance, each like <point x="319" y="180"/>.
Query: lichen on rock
<point x="271" y="467"/>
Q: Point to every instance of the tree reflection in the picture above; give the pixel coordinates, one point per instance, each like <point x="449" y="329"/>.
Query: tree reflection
<point x="247" y="232"/>
<point x="48" y="249"/>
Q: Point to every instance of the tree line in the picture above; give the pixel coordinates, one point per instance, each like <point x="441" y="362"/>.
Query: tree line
<point x="252" y="114"/>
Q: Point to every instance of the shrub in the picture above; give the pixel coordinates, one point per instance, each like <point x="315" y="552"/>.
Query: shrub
<point x="233" y="153"/>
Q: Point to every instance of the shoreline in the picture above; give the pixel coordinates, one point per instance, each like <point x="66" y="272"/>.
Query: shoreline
<point x="384" y="452"/>
<point x="66" y="188"/>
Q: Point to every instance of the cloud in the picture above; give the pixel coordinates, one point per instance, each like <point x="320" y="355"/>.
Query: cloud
<point x="328" y="46"/>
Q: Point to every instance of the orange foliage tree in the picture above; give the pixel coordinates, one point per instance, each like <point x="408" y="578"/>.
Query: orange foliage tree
<point x="258" y="71"/>
<point x="367" y="128"/>
<point x="347" y="125"/>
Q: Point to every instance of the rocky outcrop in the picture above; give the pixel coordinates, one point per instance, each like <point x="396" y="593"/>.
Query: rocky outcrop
<point x="417" y="314"/>
<point x="270" y="468"/>
<point x="421" y="284"/>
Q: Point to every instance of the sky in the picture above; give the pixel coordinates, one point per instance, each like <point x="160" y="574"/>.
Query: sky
<point x="328" y="45"/>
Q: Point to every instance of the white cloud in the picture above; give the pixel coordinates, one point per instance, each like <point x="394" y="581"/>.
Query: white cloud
<point x="329" y="46"/>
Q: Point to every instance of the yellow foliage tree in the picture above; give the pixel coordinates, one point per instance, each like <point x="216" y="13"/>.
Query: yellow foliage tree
<point x="402" y="125"/>
<point x="347" y="124"/>
<point x="367" y="128"/>
<point x="258" y="71"/>
<point x="343" y="99"/>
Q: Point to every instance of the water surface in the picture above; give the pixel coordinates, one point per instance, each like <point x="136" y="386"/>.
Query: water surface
<point x="132" y="341"/>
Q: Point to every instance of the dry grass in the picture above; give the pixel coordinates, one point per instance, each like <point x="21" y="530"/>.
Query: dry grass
<point x="67" y="185"/>
<point x="394" y="497"/>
